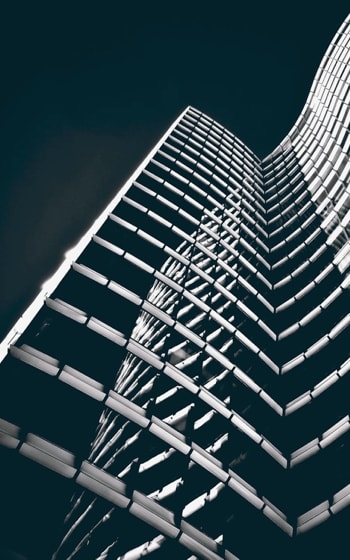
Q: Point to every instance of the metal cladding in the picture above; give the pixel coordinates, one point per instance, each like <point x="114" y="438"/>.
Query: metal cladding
<point x="202" y="325"/>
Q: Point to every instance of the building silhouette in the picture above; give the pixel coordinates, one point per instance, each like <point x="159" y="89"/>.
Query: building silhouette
<point x="184" y="374"/>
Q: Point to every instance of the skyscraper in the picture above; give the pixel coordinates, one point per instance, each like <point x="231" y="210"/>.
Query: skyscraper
<point x="185" y="370"/>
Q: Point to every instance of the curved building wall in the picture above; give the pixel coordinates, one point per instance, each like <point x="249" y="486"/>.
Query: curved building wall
<point x="186" y="368"/>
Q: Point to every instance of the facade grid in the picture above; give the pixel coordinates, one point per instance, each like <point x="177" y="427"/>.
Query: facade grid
<point x="202" y="325"/>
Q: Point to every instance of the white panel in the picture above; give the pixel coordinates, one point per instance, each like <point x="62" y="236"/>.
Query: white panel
<point x="317" y="520"/>
<point x="181" y="378"/>
<point x="82" y="385"/>
<point x="145" y="354"/>
<point x="34" y="361"/>
<point x="124" y="292"/>
<point x="170" y="438"/>
<point x="297" y="403"/>
<point x="214" y="403"/>
<point x="313" y="512"/>
<point x="209" y="464"/>
<point x="198" y="535"/>
<point x="97" y="487"/>
<point x="244" y="427"/>
<point x="251" y="497"/>
<point x="127" y="408"/>
<point x="9" y="434"/>
<point x="324" y="384"/>
<point x="279" y="521"/>
<point x="105" y="330"/>
<point x="198" y="548"/>
<point x="66" y="309"/>
<point x="50" y="448"/>
<point x="47" y="461"/>
<point x="90" y="273"/>
<point x="274" y="452"/>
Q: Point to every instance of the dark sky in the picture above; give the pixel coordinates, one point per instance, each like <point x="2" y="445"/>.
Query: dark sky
<point x="87" y="90"/>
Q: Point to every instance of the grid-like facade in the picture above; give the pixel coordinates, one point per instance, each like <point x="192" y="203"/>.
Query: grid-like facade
<point x="201" y="325"/>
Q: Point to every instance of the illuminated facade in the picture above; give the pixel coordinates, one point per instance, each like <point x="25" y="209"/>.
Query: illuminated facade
<point x="202" y="325"/>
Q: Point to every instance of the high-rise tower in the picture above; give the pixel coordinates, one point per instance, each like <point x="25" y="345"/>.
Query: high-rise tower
<point x="186" y="370"/>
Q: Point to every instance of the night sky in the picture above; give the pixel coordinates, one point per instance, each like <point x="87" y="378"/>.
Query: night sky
<point x="86" y="91"/>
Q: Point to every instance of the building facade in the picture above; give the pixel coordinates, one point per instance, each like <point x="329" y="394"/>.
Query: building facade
<point x="185" y="373"/>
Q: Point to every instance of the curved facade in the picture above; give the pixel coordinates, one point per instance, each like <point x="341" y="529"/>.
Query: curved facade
<point x="188" y="364"/>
